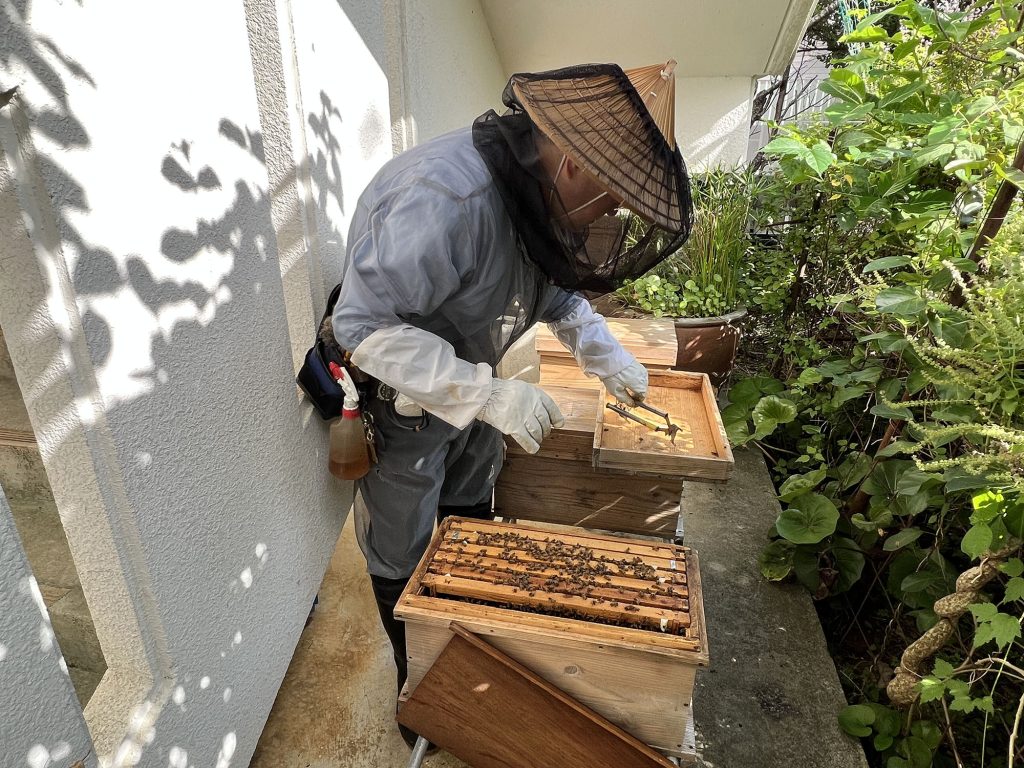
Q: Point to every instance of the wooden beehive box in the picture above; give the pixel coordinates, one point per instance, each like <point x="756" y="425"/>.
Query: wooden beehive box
<point x="652" y="341"/>
<point x="617" y="478"/>
<point x="616" y="623"/>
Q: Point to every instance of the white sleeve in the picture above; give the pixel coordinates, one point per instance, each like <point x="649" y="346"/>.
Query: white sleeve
<point x="424" y="368"/>
<point x="585" y="334"/>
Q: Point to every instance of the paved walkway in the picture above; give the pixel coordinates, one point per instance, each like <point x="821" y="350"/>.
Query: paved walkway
<point x="336" y="706"/>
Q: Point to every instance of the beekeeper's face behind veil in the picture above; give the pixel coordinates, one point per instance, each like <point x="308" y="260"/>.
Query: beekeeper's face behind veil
<point x="577" y="144"/>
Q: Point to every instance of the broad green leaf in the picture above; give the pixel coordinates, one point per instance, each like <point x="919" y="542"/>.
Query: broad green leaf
<point x="987" y="505"/>
<point x="914" y="479"/>
<point x="748" y="391"/>
<point x="889" y="412"/>
<point x="980" y="106"/>
<point x="984" y="611"/>
<point x="931" y="689"/>
<point x="943" y="669"/>
<point x="809" y="376"/>
<point x="882" y="741"/>
<point x="1005" y="629"/>
<point x="902" y="539"/>
<point x="795" y="485"/>
<point x="1014" y="590"/>
<point x="785" y="146"/>
<point x="841" y="91"/>
<point x="897" y="447"/>
<point x="901" y="94"/>
<point x="845" y="394"/>
<point x="959" y="479"/>
<point x="900" y="300"/>
<point x="1012" y="567"/>
<point x="849" y="561"/>
<point x="1013" y="518"/>
<point x="918" y="752"/>
<point x="865" y="35"/>
<point x="922" y="581"/>
<point x="847" y="112"/>
<point x="943" y="129"/>
<point x="856" y="720"/>
<point x="885" y="477"/>
<point x="1013" y="133"/>
<point x="1011" y="175"/>
<point x="939" y="153"/>
<point x="821" y="158"/>
<point x="776" y="560"/>
<point x="769" y="412"/>
<point x="976" y="541"/>
<point x="909" y="506"/>
<point x="887" y="262"/>
<point x="809" y="519"/>
<point x="852" y="470"/>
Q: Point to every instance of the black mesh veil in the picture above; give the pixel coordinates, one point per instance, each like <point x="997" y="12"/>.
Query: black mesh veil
<point x="651" y="178"/>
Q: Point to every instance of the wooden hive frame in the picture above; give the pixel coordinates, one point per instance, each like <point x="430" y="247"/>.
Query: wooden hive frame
<point x="700" y="451"/>
<point x="629" y="651"/>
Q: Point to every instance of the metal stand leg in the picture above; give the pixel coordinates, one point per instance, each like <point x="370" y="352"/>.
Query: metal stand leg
<point x="419" y="752"/>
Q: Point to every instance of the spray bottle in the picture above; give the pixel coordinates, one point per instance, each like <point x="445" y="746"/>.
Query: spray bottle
<point x="349" y="457"/>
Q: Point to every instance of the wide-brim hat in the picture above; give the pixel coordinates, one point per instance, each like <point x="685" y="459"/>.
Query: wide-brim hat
<point x="619" y="126"/>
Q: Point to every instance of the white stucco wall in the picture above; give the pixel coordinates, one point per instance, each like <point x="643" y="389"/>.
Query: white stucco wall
<point x="42" y="722"/>
<point x="713" y="120"/>
<point x="344" y="112"/>
<point x="452" y="71"/>
<point x="142" y="298"/>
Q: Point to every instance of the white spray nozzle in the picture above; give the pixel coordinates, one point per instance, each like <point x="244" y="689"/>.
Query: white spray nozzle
<point x="347" y="386"/>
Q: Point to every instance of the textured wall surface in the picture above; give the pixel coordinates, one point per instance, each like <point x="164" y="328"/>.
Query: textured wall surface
<point x="146" y="315"/>
<point x="452" y="69"/>
<point x="42" y="722"/>
<point x="713" y="120"/>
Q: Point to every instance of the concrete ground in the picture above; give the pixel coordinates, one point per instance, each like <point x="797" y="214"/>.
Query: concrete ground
<point x="336" y="706"/>
<point x="771" y="694"/>
<point x="27" y="488"/>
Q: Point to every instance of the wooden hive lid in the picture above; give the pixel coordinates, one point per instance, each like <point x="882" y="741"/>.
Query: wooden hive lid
<point x="652" y="341"/>
<point x="562" y="582"/>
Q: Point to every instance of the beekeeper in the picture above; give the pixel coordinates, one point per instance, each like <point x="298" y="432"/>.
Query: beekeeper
<point x="460" y="245"/>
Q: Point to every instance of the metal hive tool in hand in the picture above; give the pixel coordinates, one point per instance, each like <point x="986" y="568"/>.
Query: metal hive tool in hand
<point x="668" y="427"/>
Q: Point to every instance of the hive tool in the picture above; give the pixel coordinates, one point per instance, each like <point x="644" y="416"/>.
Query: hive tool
<point x="668" y="427"/>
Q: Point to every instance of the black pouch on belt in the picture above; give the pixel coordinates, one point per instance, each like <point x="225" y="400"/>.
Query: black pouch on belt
<point x="315" y="377"/>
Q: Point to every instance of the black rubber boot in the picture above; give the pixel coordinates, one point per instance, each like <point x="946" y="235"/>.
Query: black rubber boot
<point x="387" y="592"/>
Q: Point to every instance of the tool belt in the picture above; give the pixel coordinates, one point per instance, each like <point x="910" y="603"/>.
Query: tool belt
<point x="315" y="377"/>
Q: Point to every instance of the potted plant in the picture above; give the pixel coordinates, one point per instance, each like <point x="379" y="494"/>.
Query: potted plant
<point x="700" y="285"/>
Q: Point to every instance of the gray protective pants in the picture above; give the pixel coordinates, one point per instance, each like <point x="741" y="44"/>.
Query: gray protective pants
<point x="417" y="471"/>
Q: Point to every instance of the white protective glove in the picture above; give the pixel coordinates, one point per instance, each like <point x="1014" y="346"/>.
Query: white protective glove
<point x="524" y="412"/>
<point x="629" y="385"/>
<point x="585" y="334"/>
<point x="425" y="369"/>
<point x="427" y="372"/>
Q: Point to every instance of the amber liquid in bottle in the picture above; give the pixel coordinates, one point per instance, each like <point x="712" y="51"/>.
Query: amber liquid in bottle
<point x="349" y="458"/>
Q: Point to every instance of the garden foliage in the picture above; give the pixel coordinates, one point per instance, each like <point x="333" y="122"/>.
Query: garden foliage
<point x="890" y="399"/>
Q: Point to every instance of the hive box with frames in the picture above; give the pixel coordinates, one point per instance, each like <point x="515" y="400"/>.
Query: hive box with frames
<point x="601" y="470"/>
<point x="616" y="623"/>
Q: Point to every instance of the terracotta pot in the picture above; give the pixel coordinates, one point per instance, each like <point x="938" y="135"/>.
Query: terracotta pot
<point x="708" y="344"/>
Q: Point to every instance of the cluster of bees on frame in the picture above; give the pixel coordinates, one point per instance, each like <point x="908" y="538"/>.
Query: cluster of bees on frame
<point x="554" y="566"/>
